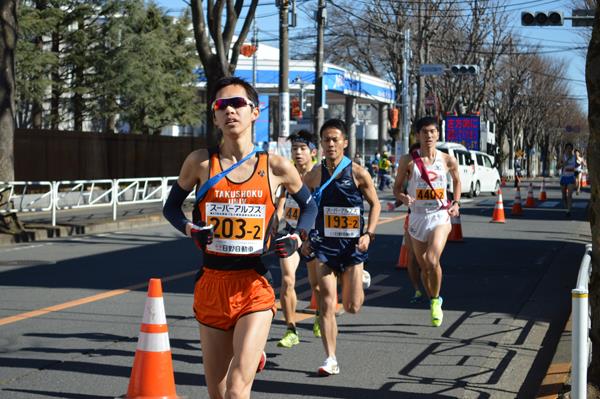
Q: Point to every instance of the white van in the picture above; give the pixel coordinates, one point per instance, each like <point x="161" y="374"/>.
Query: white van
<point x="465" y="166"/>
<point x="486" y="178"/>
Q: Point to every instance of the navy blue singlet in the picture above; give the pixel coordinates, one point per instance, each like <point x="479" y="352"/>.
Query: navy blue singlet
<point x="339" y="222"/>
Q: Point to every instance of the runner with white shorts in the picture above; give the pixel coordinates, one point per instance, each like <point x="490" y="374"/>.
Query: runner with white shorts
<point x="426" y="169"/>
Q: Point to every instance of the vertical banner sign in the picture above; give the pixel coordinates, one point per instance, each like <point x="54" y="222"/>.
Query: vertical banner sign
<point x="261" y="126"/>
<point x="464" y="130"/>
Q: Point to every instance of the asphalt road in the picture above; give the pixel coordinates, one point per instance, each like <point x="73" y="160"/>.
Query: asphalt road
<point x="506" y="295"/>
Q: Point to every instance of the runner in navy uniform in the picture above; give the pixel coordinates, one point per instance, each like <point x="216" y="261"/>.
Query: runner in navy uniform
<point x="340" y="240"/>
<point x="304" y="150"/>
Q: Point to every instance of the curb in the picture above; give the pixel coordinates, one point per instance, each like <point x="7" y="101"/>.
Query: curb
<point x="40" y="231"/>
<point x="555" y="383"/>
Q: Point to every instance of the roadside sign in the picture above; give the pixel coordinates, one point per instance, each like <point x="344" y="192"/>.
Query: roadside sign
<point x="464" y="130"/>
<point x="431" y="69"/>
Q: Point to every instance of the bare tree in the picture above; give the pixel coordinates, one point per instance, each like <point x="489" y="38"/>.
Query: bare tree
<point x="214" y="42"/>
<point x="8" y="42"/>
<point x="592" y="76"/>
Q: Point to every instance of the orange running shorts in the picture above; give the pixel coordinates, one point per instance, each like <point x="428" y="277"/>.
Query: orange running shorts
<point x="221" y="297"/>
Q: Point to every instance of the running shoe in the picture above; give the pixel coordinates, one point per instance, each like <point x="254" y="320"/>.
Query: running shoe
<point x="262" y="362"/>
<point x="330" y="367"/>
<point x="366" y="279"/>
<point x="436" y="311"/>
<point x="418" y="297"/>
<point x="317" y="328"/>
<point x="289" y="339"/>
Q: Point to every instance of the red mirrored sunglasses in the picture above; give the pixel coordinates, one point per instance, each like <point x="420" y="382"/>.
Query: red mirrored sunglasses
<point x="235" y="102"/>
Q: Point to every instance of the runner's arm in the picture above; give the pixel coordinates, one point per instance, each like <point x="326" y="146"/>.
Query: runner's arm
<point x="194" y="166"/>
<point x="367" y="188"/>
<point x="453" y="170"/>
<point x="401" y="177"/>
<point x="287" y="175"/>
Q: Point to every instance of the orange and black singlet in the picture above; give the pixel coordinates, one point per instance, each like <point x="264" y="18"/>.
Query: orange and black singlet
<point x="241" y="213"/>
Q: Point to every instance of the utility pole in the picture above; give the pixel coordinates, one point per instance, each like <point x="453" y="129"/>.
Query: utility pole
<point x="405" y="86"/>
<point x="318" y="111"/>
<point x="284" y="91"/>
<point x="254" y="69"/>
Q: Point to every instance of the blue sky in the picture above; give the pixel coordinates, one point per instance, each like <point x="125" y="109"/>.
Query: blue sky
<point x="556" y="42"/>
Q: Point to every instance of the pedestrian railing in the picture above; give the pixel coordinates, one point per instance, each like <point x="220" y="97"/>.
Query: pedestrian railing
<point x="580" y="319"/>
<point x="57" y="196"/>
<point x="27" y="196"/>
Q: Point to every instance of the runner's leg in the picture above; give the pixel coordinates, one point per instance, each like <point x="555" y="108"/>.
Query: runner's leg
<point x="287" y="295"/>
<point x="217" y="352"/>
<point x="353" y="294"/>
<point x="327" y="307"/>
<point x="249" y="338"/>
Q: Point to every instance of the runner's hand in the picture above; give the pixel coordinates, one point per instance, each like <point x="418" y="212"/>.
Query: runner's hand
<point x="454" y="210"/>
<point x="202" y="235"/>
<point x="407" y="200"/>
<point x="363" y="243"/>
<point x="285" y="246"/>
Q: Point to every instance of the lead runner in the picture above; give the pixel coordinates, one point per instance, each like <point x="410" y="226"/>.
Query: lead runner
<point x="235" y="185"/>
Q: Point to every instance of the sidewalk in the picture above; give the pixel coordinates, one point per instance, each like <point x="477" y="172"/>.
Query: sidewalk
<point x="38" y="226"/>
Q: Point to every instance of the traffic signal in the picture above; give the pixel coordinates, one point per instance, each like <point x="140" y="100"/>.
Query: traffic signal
<point x="550" y="18"/>
<point x="464" y="69"/>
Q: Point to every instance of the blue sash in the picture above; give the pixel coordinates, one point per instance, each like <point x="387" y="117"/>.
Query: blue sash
<point x="319" y="191"/>
<point x="216" y="178"/>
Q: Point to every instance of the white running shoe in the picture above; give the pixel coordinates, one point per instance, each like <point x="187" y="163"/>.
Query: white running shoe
<point x="330" y="367"/>
<point x="366" y="279"/>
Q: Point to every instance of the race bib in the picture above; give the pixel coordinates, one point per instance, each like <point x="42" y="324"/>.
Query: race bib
<point x="291" y="212"/>
<point x="427" y="194"/>
<point x="238" y="228"/>
<point x="342" y="222"/>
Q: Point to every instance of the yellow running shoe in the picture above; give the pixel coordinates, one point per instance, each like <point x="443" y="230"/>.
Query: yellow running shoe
<point x="436" y="311"/>
<point x="289" y="339"/>
<point x="317" y="328"/>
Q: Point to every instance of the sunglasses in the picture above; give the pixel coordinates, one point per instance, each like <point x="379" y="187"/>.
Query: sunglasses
<point x="234" y="102"/>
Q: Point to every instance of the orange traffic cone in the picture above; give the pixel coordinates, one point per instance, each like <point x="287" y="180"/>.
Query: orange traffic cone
<point x="402" y="262"/>
<point x="530" y="202"/>
<point x="517" y="209"/>
<point x="456" y="232"/>
<point x="584" y="182"/>
<point x="498" y="216"/>
<point x="152" y="374"/>
<point x="543" y="196"/>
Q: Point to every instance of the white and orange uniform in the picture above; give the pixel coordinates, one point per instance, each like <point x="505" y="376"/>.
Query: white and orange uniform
<point x="428" y="209"/>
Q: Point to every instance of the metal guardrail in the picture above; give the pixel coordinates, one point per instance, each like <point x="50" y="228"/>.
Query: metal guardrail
<point x="55" y="196"/>
<point x="580" y="342"/>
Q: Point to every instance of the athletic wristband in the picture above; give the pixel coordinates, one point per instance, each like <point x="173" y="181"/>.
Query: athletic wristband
<point x="308" y="208"/>
<point x="371" y="235"/>
<point x="455" y="202"/>
<point x="172" y="209"/>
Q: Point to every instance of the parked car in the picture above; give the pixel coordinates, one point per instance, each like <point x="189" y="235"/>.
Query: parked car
<point x="486" y="177"/>
<point x="465" y="166"/>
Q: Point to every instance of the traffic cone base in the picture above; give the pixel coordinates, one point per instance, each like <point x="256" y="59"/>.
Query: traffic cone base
<point x="530" y="202"/>
<point x="152" y="373"/>
<point x="543" y="196"/>
<point x="498" y="216"/>
<point x="517" y="209"/>
<point x="456" y="232"/>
